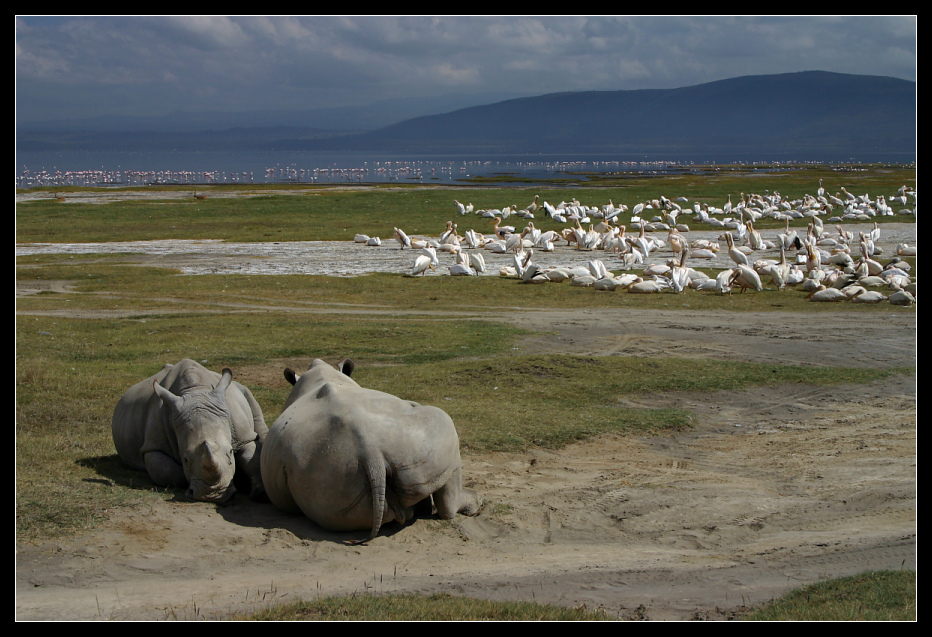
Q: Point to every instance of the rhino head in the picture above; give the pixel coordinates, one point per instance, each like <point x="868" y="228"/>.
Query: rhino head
<point x="204" y="430"/>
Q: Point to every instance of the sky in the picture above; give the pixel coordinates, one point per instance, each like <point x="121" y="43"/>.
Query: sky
<point x="85" y="66"/>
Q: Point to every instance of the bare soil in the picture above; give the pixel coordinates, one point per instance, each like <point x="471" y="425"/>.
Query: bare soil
<point x="771" y="489"/>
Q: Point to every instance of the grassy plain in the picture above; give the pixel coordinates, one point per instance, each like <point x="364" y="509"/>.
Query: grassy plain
<point x="71" y="369"/>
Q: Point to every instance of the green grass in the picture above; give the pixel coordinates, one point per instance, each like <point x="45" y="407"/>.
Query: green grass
<point x="437" y="607"/>
<point x="871" y="596"/>
<point x="514" y="402"/>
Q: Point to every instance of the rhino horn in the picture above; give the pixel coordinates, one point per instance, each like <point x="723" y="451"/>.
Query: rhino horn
<point x="291" y="375"/>
<point x="225" y="380"/>
<point x="210" y="465"/>
<point x="174" y="402"/>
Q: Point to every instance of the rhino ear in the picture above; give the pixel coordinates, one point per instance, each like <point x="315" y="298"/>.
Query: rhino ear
<point x="225" y="380"/>
<point x="174" y="402"/>
<point x="346" y="366"/>
<point x="291" y="376"/>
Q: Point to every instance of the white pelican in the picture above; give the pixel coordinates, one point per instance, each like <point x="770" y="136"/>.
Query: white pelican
<point x="789" y="238"/>
<point x="532" y="208"/>
<point x="679" y="274"/>
<point x="746" y="278"/>
<point x="478" y="262"/>
<point x="500" y="231"/>
<point x="813" y="258"/>
<point x="558" y="275"/>
<point x="474" y="239"/>
<point x="648" y="286"/>
<point x="905" y="250"/>
<point x="677" y="243"/>
<point x="657" y="269"/>
<point x="755" y="240"/>
<point x="421" y="264"/>
<point x="873" y="267"/>
<point x="607" y="284"/>
<point x="402" y="238"/>
<point x="823" y="294"/>
<point x="585" y="281"/>
<point x="901" y="297"/>
<point x="496" y="247"/>
<point x="739" y="257"/>
<point x="462" y="266"/>
<point x="449" y="234"/>
<point x="779" y="272"/>
<point x="522" y="260"/>
<point x="598" y="269"/>
<point x="431" y="252"/>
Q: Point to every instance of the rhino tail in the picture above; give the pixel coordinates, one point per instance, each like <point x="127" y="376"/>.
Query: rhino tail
<point x="377" y="474"/>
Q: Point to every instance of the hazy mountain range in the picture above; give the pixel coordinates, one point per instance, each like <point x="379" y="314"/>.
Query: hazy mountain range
<point x="804" y="112"/>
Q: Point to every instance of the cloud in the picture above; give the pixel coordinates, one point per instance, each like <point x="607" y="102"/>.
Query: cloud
<point x="154" y="65"/>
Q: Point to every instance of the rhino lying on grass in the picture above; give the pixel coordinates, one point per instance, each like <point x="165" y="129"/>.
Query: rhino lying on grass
<point x="354" y="459"/>
<point x="188" y="426"/>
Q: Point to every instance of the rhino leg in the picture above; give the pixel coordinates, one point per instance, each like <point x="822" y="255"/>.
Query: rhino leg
<point x="452" y="498"/>
<point x="164" y="471"/>
<point x="395" y="510"/>
<point x="247" y="461"/>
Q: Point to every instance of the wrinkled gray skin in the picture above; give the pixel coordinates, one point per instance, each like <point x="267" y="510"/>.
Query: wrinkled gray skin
<point x="353" y="459"/>
<point x="189" y="426"/>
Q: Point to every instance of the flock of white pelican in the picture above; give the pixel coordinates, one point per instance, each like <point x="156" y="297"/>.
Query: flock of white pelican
<point x="830" y="265"/>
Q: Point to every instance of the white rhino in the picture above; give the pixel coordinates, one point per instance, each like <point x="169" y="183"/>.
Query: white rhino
<point x="187" y="425"/>
<point x="354" y="459"/>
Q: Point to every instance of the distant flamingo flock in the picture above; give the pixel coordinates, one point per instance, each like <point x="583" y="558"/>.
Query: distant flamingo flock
<point x="369" y="172"/>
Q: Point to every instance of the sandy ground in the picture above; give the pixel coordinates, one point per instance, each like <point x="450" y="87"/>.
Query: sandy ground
<point x="772" y="488"/>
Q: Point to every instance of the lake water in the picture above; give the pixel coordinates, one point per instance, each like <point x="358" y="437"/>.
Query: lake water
<point x="75" y="168"/>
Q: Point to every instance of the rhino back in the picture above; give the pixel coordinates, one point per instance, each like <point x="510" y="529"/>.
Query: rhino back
<point x="311" y="461"/>
<point x="319" y="453"/>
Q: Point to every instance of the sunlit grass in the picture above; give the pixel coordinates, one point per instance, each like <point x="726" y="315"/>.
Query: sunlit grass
<point x="512" y="402"/>
<point x="437" y="607"/>
<point x="871" y="596"/>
